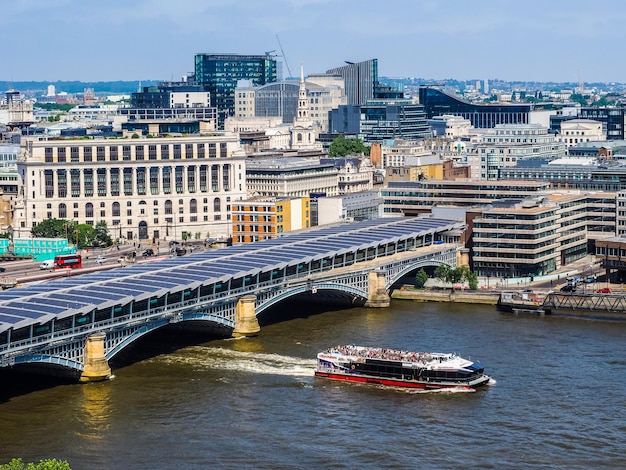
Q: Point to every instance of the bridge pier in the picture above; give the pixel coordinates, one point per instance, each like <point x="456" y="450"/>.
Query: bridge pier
<point x="96" y="366"/>
<point x="245" y="319"/>
<point x="378" y="295"/>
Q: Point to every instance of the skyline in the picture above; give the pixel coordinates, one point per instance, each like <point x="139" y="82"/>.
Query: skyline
<point x="556" y="41"/>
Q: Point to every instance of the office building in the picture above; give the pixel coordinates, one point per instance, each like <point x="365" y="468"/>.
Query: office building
<point x="506" y="144"/>
<point x="438" y="102"/>
<point x="380" y="120"/>
<point x="143" y="188"/>
<point x="612" y="119"/>
<point x="538" y="236"/>
<point x="263" y="218"/>
<point x="575" y="131"/>
<point x="414" y="198"/>
<point x="361" y="80"/>
<point x="584" y="174"/>
<point x="291" y="177"/>
<point x="363" y="205"/>
<point x="220" y="73"/>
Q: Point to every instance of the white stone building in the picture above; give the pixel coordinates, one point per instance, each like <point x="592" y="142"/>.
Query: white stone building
<point x="575" y="131"/>
<point x="143" y="188"/>
<point x="505" y="144"/>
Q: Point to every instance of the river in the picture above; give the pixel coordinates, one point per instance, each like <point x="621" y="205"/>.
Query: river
<point x="559" y="399"/>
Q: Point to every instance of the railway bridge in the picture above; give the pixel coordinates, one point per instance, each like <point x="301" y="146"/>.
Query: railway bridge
<point x="79" y="323"/>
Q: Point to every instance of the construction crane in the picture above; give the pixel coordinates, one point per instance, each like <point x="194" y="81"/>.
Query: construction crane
<point x="284" y="56"/>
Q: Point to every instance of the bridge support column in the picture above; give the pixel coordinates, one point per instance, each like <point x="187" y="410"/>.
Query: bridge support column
<point x="378" y="295"/>
<point x="246" y="322"/>
<point x="96" y="366"/>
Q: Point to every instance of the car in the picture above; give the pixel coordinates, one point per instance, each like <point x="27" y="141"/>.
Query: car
<point x="568" y="288"/>
<point x="148" y="252"/>
<point x="2" y="269"/>
<point x="590" y="279"/>
<point x="180" y="251"/>
<point x="527" y="291"/>
<point x="174" y="243"/>
<point x="604" y="290"/>
<point x="101" y="259"/>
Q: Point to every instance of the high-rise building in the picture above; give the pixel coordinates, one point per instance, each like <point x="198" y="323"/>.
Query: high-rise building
<point x="378" y="120"/>
<point x="438" y="102"/>
<point x="220" y="73"/>
<point x="361" y="80"/>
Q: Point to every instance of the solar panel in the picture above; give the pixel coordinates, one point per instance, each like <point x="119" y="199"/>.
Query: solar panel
<point x="118" y="286"/>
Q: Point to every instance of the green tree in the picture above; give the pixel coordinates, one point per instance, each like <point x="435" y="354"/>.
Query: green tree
<point x="443" y="273"/>
<point x="578" y="98"/>
<point x="101" y="235"/>
<point x="340" y="147"/>
<point x="54" y="228"/>
<point x="84" y="236"/>
<point x="47" y="464"/>
<point x="472" y="280"/>
<point x="420" y="278"/>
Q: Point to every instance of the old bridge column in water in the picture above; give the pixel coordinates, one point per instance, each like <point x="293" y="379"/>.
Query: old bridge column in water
<point x="246" y="321"/>
<point x="378" y="295"/>
<point x="96" y="366"/>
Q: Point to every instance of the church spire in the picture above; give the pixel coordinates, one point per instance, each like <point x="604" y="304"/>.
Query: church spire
<point x="303" y="101"/>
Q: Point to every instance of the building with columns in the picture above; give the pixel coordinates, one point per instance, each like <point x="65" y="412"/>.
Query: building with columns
<point x="143" y="188"/>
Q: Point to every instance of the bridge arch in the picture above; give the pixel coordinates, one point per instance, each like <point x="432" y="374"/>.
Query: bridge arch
<point x="264" y="302"/>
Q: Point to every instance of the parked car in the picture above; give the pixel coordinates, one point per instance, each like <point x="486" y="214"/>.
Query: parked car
<point x="568" y="288"/>
<point x="590" y="280"/>
<point x="148" y="252"/>
<point x="604" y="290"/>
<point x="180" y="251"/>
<point x="100" y="259"/>
<point x="174" y="242"/>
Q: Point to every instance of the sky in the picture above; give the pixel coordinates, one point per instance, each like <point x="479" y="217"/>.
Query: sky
<point x="110" y="40"/>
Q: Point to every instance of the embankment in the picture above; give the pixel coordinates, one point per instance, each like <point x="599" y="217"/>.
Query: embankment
<point x="445" y="295"/>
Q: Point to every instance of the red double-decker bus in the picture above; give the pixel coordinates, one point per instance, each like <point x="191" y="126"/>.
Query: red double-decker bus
<point x="68" y="261"/>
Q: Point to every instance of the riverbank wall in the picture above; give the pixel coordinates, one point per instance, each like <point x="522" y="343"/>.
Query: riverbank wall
<point x="446" y="295"/>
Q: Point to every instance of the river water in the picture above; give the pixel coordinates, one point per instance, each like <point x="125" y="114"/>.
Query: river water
<point x="559" y="400"/>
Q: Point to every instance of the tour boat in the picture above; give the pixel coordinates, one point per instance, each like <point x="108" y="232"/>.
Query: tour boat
<point x="398" y="368"/>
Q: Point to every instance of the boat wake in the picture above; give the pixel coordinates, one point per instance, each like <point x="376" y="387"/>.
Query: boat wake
<point x="252" y="362"/>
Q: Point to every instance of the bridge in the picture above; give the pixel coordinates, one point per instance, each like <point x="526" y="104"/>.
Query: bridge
<point x="79" y="323"/>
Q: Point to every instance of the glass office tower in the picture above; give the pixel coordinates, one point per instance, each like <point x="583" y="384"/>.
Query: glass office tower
<point x="220" y="72"/>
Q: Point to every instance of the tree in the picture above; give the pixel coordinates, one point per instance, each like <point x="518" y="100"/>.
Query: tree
<point x="101" y="235"/>
<point x="472" y="280"/>
<point x="578" y="98"/>
<point x="443" y="273"/>
<point x="54" y="228"/>
<point x="84" y="236"/>
<point x="340" y="147"/>
<point x="420" y="278"/>
<point x="48" y="464"/>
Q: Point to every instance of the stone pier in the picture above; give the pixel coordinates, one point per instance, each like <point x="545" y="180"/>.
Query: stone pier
<point x="245" y="318"/>
<point x="378" y="295"/>
<point x="96" y="366"/>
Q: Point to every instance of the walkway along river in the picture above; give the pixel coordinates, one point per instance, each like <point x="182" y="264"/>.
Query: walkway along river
<point x="254" y="402"/>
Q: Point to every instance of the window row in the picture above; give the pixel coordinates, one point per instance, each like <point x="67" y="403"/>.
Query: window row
<point x="101" y="153"/>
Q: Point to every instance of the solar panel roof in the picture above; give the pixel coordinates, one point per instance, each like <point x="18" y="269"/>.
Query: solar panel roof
<point x="36" y="303"/>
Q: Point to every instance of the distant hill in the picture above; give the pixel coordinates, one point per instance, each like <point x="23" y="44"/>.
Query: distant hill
<point x="109" y="88"/>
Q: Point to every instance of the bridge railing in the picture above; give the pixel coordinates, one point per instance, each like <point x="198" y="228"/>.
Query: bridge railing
<point x="323" y="274"/>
